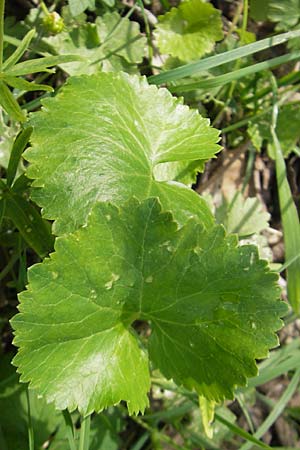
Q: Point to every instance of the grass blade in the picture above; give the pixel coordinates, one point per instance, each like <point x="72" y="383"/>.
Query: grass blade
<point x="10" y="104"/>
<point x="222" y="58"/>
<point x="34" y="230"/>
<point x="289" y="216"/>
<point x="41" y="64"/>
<point x="221" y="80"/>
<point x="30" y="428"/>
<point x="15" y="156"/>
<point x="242" y="433"/>
<point x="20" y="50"/>
<point x="277" y="410"/>
<point x="24" y="85"/>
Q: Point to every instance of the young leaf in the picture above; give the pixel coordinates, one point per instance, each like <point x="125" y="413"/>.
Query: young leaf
<point x="20" y="83"/>
<point x="20" y="50"/>
<point x="216" y="313"/>
<point x="119" y="129"/>
<point x="189" y="31"/>
<point x="8" y="134"/>
<point x="27" y="219"/>
<point x="17" y="149"/>
<point x="40" y="64"/>
<point x="78" y="6"/>
<point x="10" y="104"/>
<point x="112" y="43"/>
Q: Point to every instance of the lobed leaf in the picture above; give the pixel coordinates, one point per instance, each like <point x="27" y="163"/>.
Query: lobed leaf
<point x="189" y="31"/>
<point x="104" y="137"/>
<point x="78" y="6"/>
<point x="211" y="305"/>
<point x="242" y="216"/>
<point x="112" y="43"/>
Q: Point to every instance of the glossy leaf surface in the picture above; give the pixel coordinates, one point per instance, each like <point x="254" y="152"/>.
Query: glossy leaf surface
<point x="104" y="137"/>
<point x="211" y="306"/>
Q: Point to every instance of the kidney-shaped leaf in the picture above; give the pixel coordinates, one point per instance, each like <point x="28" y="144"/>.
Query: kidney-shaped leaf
<point x="101" y="139"/>
<point x="189" y="31"/>
<point x="212" y="307"/>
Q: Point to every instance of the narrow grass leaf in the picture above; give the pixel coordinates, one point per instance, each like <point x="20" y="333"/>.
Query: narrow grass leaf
<point x="41" y="64"/>
<point x="275" y="371"/>
<point x="19" y="52"/>
<point x="242" y="433"/>
<point x="24" y="85"/>
<point x="35" y="230"/>
<point x="222" y="58"/>
<point x="277" y="410"/>
<point x="15" y="156"/>
<point x="221" y="80"/>
<point x="290" y="221"/>
<point x="10" y="104"/>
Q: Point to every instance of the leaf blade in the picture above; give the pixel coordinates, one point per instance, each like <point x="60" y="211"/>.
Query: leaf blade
<point x="93" y="309"/>
<point x="132" y="138"/>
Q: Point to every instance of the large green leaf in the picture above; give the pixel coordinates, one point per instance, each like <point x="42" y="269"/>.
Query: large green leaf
<point x="112" y="43"/>
<point x="212" y="307"/>
<point x="104" y="137"/>
<point x="189" y="31"/>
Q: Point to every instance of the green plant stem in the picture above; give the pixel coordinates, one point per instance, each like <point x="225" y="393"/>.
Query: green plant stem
<point x="220" y="80"/>
<point x="85" y="433"/>
<point x="245" y="18"/>
<point x="2" y="7"/>
<point x="236" y="67"/>
<point x="30" y="428"/>
<point x="148" y="32"/>
<point x="44" y="8"/>
<point x="70" y="428"/>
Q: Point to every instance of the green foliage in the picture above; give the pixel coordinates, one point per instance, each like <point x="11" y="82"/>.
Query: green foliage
<point x="242" y="216"/>
<point x="288" y="129"/>
<point x="112" y="43"/>
<point x="143" y="285"/>
<point x="189" y="31"/>
<point x="208" y="324"/>
<point x="286" y="13"/>
<point x="78" y="6"/>
<point x="7" y="138"/>
<point x="131" y="132"/>
<point x="13" y="404"/>
<point x="259" y="9"/>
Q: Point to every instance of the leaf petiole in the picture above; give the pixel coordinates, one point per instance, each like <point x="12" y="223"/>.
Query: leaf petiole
<point x="85" y="433"/>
